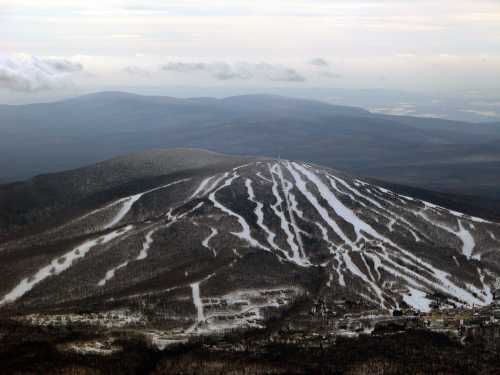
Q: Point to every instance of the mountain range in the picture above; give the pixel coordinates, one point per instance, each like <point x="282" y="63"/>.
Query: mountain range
<point x="434" y="154"/>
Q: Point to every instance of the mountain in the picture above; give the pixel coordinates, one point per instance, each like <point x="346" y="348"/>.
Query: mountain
<point x="41" y="138"/>
<point x="199" y="242"/>
<point x="33" y="203"/>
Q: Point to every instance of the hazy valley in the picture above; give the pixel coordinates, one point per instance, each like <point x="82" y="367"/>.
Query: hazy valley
<point x="434" y="154"/>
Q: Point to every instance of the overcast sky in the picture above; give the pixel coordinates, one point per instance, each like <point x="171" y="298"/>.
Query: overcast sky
<point x="58" y="46"/>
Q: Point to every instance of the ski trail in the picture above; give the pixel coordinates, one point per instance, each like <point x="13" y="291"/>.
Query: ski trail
<point x="391" y="224"/>
<point x="351" y="266"/>
<point x="111" y="273"/>
<point x="198" y="304"/>
<point x="60" y="264"/>
<point x="348" y="193"/>
<point x="462" y="234"/>
<point x="263" y="178"/>
<point x="417" y="299"/>
<point x="128" y="202"/>
<point x="200" y="188"/>
<point x="357" y="192"/>
<point x="260" y="216"/>
<point x="444" y="283"/>
<point x="411" y="228"/>
<point x="215" y="183"/>
<point x="279" y="212"/>
<point x="417" y="280"/>
<point x="245" y="233"/>
<point x="340" y="209"/>
<point x="467" y="240"/>
<point x="301" y="185"/>
<point x="291" y="205"/>
<point x="243" y="166"/>
<point x="456" y="213"/>
<point x="386" y="213"/>
<point x="146" y="245"/>
<point x="338" y="269"/>
<point x="206" y="241"/>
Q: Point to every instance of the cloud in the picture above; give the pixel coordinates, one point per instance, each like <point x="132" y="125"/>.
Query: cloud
<point x="322" y="68"/>
<point x="330" y="75"/>
<point x="137" y="71"/>
<point x="481" y="113"/>
<point x="22" y="72"/>
<point x="319" y="62"/>
<point x="242" y="70"/>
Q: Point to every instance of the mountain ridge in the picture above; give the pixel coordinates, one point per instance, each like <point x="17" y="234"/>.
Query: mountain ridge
<point x="227" y="246"/>
<point x="49" y="137"/>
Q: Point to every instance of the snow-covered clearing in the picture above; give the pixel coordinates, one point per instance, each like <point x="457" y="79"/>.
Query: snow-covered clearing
<point x="206" y="241"/>
<point x="61" y="264"/>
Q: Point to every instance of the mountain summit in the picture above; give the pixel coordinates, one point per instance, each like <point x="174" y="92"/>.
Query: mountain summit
<point x="225" y="245"/>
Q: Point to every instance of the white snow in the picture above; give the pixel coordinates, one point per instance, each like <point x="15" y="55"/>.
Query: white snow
<point x="245" y="233"/>
<point x="92" y="347"/>
<point x="440" y="280"/>
<point x="351" y="266"/>
<point x="417" y="299"/>
<point x="201" y="187"/>
<point x="455" y="213"/>
<point x="260" y="215"/>
<point x="215" y="183"/>
<point x="291" y="206"/>
<point x="128" y="202"/>
<point x="293" y="239"/>
<point x="60" y="264"/>
<point x="335" y="204"/>
<point x="392" y="221"/>
<point x="240" y="309"/>
<point x="111" y="273"/>
<point x="340" y="209"/>
<point x="262" y="177"/>
<point x="467" y="240"/>
<point x="206" y="241"/>
<point x="195" y="287"/>
<point x="146" y="245"/>
<point x="301" y="185"/>
<point x="463" y="234"/>
<point x="243" y="166"/>
<point x="339" y="270"/>
<point x="142" y="255"/>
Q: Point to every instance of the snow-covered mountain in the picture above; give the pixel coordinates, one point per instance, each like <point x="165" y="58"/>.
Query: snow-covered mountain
<point x="226" y="246"/>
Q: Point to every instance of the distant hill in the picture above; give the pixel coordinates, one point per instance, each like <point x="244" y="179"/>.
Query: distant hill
<point x="34" y="202"/>
<point x="435" y="154"/>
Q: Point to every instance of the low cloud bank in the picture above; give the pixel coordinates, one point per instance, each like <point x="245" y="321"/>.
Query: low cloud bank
<point x="243" y="70"/>
<point x="28" y="73"/>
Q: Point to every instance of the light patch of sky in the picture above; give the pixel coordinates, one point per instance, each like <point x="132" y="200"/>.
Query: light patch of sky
<point x="404" y="44"/>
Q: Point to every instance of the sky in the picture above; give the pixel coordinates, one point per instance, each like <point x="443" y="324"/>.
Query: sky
<point x="51" y="48"/>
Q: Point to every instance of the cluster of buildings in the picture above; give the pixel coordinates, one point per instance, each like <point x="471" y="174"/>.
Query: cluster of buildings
<point x="108" y="319"/>
<point x="342" y="318"/>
